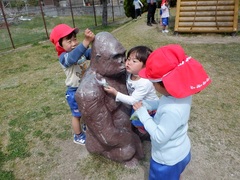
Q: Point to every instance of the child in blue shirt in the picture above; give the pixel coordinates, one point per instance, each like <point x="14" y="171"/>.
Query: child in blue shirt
<point x="177" y="77"/>
<point x="72" y="56"/>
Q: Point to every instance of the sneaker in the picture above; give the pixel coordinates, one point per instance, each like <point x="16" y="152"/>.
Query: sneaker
<point x="166" y="31"/>
<point x="149" y="24"/>
<point x="79" y="139"/>
<point x="163" y="31"/>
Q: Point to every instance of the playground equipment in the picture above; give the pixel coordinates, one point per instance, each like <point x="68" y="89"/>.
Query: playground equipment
<point x="207" y="16"/>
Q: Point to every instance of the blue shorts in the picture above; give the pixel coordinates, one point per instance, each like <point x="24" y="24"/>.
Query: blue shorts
<point x="70" y="97"/>
<point x="162" y="172"/>
<point x="165" y="21"/>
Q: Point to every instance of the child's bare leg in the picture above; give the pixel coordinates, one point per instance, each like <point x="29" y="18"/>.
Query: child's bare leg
<point x="76" y="125"/>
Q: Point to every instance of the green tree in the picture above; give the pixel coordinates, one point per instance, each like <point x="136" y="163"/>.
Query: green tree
<point x="129" y="8"/>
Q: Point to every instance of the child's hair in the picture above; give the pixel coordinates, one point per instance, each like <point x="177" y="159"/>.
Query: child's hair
<point x="161" y="84"/>
<point x="142" y="53"/>
<point x="69" y="36"/>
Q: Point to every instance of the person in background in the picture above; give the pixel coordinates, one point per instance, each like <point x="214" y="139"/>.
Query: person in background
<point x="177" y="77"/>
<point x="138" y="88"/>
<point x="72" y="56"/>
<point x="164" y="12"/>
<point x="151" y="12"/>
<point x="137" y="5"/>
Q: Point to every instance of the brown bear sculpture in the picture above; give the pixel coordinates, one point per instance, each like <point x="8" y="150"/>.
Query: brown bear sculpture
<point x="108" y="127"/>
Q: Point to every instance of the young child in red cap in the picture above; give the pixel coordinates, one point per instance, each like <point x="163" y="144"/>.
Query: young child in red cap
<point x="138" y="88"/>
<point x="177" y="77"/>
<point x="72" y="55"/>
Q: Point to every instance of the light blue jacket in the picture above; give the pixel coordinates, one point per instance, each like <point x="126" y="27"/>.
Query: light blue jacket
<point x="168" y="129"/>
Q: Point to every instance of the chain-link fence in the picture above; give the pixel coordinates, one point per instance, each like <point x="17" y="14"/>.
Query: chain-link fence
<point x="28" y="24"/>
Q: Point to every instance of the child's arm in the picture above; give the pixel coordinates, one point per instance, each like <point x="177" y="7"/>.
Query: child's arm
<point x="70" y="58"/>
<point x="111" y="90"/>
<point x="89" y="37"/>
<point x="163" y="7"/>
<point x="138" y="94"/>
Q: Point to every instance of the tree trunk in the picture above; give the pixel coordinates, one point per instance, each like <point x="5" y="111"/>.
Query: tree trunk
<point x="104" y="14"/>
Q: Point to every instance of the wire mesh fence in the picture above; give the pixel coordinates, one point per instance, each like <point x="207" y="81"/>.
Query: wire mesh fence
<point x="30" y="24"/>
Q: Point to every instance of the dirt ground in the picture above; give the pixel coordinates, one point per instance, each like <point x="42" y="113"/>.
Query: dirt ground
<point x="200" y="166"/>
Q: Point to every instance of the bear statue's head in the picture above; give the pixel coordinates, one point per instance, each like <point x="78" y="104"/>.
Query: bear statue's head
<point x="108" y="55"/>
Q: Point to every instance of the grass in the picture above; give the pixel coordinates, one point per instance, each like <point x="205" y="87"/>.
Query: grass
<point x="28" y="32"/>
<point x="34" y="114"/>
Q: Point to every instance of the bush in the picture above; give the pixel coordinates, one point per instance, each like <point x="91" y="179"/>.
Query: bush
<point x="18" y="4"/>
<point x="129" y="8"/>
<point x="33" y="2"/>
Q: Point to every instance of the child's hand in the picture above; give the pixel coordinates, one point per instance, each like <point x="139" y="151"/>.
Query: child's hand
<point x="137" y="105"/>
<point x="110" y="90"/>
<point x="89" y="37"/>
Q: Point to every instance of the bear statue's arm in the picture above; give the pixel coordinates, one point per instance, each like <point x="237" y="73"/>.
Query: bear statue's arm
<point x="97" y="108"/>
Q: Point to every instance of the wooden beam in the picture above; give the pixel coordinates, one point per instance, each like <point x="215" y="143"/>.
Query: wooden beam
<point x="206" y="19"/>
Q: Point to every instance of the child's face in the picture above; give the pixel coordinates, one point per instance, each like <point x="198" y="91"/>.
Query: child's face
<point x="133" y="65"/>
<point x="69" y="44"/>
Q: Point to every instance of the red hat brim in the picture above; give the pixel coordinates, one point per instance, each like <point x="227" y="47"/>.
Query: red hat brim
<point x="187" y="79"/>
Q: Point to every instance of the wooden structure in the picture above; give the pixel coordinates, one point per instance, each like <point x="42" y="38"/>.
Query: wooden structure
<point x="206" y="16"/>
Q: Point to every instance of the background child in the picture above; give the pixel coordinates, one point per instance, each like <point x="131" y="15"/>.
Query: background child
<point x="164" y="12"/>
<point x="71" y="56"/>
<point x="137" y="5"/>
<point x="138" y="88"/>
<point x="177" y="77"/>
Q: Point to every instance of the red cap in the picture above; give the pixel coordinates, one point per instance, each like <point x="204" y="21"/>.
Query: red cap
<point x="182" y="76"/>
<point x="59" y="32"/>
<point x="163" y="1"/>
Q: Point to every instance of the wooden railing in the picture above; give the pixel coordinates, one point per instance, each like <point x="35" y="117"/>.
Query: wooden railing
<point x="206" y="16"/>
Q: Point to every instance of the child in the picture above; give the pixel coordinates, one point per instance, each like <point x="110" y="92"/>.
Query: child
<point x="71" y="55"/>
<point x="177" y="77"/>
<point x="138" y="88"/>
<point x="164" y="13"/>
<point x="137" y="5"/>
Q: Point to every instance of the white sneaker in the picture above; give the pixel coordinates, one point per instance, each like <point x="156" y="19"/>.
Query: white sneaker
<point x="79" y="139"/>
<point x="166" y="31"/>
<point x="163" y="31"/>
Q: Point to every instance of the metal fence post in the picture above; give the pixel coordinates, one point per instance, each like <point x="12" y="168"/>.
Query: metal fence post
<point x="40" y="4"/>
<point x="94" y="13"/>
<point x="70" y="3"/>
<point x="5" y="20"/>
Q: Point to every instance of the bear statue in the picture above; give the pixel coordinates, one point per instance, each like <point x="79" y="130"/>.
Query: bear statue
<point x="109" y="130"/>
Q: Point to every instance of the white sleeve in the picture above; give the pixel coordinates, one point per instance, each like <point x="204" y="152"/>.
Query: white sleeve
<point x="125" y="98"/>
<point x="163" y="7"/>
<point x="141" y="91"/>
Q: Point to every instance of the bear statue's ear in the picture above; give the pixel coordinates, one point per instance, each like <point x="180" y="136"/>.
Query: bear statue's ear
<point x="98" y="56"/>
